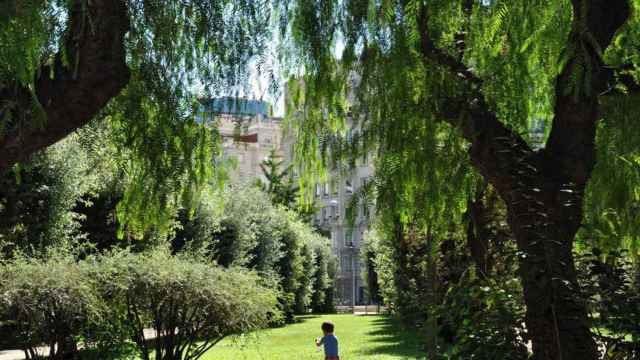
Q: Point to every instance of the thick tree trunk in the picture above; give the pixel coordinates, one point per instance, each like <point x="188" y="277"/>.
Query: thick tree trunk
<point x="77" y="91"/>
<point x="545" y="205"/>
<point x="544" y="190"/>
<point x="544" y="217"/>
<point x="544" y="211"/>
<point x="556" y="316"/>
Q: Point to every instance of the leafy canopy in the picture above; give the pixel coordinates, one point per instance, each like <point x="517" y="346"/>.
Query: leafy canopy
<point x="361" y="85"/>
<point x="176" y="51"/>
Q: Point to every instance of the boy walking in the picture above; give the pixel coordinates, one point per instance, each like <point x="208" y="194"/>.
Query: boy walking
<point x="329" y="341"/>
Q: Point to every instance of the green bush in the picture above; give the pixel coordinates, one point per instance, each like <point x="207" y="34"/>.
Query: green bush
<point x="305" y="290"/>
<point x="48" y="302"/>
<point x="611" y="282"/>
<point x="250" y="231"/>
<point x="322" y="296"/>
<point x="191" y="305"/>
<point x="483" y="319"/>
<point x="103" y="304"/>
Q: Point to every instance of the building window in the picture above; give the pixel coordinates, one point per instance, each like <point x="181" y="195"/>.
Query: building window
<point x="324" y="214"/>
<point x="334" y="187"/>
<point x="317" y="189"/>
<point x="333" y="212"/>
<point x="348" y="238"/>
<point x="326" y="189"/>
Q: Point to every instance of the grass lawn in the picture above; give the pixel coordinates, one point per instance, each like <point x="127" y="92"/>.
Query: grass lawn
<point x="361" y="337"/>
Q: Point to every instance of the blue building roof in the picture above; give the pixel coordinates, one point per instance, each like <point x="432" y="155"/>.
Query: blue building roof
<point x="236" y="106"/>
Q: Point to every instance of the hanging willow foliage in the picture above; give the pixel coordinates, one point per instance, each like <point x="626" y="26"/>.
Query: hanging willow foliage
<point x="519" y="84"/>
<point x="175" y="52"/>
<point x="364" y="74"/>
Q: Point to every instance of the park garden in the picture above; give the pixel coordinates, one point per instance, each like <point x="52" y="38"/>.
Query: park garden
<point x="504" y="205"/>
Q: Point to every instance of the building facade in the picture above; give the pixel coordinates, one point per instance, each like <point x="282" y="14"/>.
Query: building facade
<point x="333" y="198"/>
<point x="249" y="134"/>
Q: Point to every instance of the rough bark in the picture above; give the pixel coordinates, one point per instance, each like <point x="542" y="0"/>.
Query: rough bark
<point x="544" y="190"/>
<point x="478" y="234"/>
<point x="95" y="73"/>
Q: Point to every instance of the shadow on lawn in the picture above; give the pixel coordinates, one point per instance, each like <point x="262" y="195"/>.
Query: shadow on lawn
<point x="302" y="318"/>
<point x="388" y="337"/>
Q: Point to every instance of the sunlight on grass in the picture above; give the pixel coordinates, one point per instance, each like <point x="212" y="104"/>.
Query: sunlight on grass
<point x="361" y="337"/>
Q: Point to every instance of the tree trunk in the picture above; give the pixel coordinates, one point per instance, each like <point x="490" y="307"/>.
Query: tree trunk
<point x="544" y="221"/>
<point x="545" y="199"/>
<point x="543" y="190"/>
<point x="544" y="211"/>
<point x="556" y="317"/>
<point x="96" y="71"/>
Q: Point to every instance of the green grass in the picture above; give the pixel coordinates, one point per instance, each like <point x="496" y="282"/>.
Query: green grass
<point x="361" y="337"/>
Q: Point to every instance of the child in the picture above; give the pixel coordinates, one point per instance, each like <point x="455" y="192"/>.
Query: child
<point x="329" y="341"/>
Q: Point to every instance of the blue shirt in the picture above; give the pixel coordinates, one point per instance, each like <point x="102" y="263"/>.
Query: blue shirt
<point x="330" y="343"/>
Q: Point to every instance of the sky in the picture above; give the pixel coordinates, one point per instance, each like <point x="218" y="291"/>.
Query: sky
<point x="259" y="83"/>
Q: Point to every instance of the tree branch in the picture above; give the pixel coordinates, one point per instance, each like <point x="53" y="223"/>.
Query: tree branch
<point x="433" y="53"/>
<point x="570" y="148"/>
<point x="500" y="154"/>
<point x="95" y="73"/>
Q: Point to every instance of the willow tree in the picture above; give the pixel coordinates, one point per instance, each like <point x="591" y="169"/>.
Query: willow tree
<point x="420" y="78"/>
<point x="133" y="63"/>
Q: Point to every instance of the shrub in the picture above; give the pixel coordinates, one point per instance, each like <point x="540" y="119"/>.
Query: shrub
<point x="611" y="283"/>
<point x="106" y="301"/>
<point x="322" y="299"/>
<point x="329" y="304"/>
<point x="251" y="232"/>
<point x="47" y="302"/>
<point x="483" y="319"/>
<point x="191" y="304"/>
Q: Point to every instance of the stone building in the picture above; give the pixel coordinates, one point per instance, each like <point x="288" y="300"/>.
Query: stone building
<point x="333" y="198"/>
<point x="249" y="133"/>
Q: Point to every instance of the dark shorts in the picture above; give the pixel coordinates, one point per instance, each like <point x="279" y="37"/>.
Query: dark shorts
<point x="332" y="358"/>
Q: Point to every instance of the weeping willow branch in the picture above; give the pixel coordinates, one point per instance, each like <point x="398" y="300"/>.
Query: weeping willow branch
<point x="68" y="93"/>
<point x="432" y="52"/>
<point x="496" y="150"/>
